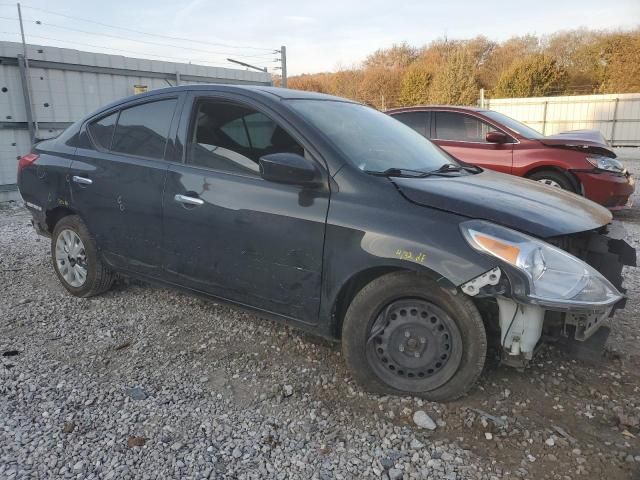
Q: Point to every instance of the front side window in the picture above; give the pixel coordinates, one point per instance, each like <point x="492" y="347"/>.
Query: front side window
<point x="461" y="127"/>
<point x="371" y="140"/>
<point x="232" y="138"/>
<point x="101" y="130"/>
<point x="143" y="130"/>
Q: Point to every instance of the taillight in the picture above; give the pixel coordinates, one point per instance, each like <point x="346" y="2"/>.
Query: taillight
<point x="27" y="160"/>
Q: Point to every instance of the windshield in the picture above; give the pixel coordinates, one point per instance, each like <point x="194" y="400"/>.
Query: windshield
<point x="515" y="125"/>
<point x="371" y="140"/>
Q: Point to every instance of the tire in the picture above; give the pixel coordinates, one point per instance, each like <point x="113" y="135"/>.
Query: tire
<point x="553" y="179"/>
<point x="439" y="322"/>
<point x="97" y="277"/>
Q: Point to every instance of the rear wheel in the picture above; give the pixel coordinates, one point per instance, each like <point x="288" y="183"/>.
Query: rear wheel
<point x="404" y="334"/>
<point x="553" y="178"/>
<point x="75" y="259"/>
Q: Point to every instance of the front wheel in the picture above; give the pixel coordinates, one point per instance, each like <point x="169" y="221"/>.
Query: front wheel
<point x="404" y="334"/>
<point x="75" y="259"/>
<point x="553" y="178"/>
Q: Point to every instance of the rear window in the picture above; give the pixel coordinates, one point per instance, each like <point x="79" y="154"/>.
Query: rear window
<point x="101" y="131"/>
<point x="143" y="130"/>
<point x="415" y="120"/>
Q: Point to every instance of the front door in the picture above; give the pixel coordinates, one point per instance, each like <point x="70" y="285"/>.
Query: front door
<point x="117" y="180"/>
<point x="232" y="234"/>
<point x="464" y="136"/>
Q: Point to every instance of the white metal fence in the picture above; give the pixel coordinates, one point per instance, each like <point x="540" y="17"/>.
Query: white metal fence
<point x="62" y="85"/>
<point x="616" y="116"/>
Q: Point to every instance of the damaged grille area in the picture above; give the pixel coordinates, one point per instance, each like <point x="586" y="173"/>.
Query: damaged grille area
<point x="606" y="254"/>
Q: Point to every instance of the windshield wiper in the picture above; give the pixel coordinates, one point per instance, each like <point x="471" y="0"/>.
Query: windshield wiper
<point x="409" y="173"/>
<point x="399" y="172"/>
<point x="450" y="167"/>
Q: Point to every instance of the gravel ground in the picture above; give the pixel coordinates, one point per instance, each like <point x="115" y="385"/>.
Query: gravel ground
<point x="144" y="382"/>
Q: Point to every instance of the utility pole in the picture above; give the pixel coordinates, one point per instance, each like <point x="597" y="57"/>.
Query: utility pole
<point x="27" y="83"/>
<point x="283" y="65"/>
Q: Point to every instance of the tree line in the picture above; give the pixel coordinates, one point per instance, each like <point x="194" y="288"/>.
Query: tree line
<point x="449" y="71"/>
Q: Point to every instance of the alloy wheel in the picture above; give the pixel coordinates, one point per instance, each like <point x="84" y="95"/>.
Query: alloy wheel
<point x="550" y="182"/>
<point x="71" y="258"/>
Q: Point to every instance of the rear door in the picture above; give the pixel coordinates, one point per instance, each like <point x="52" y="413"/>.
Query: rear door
<point x="229" y="232"/>
<point x="117" y="179"/>
<point x="463" y="136"/>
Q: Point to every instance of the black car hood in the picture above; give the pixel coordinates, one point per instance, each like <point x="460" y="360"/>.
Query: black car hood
<point x="589" y="141"/>
<point x="514" y="202"/>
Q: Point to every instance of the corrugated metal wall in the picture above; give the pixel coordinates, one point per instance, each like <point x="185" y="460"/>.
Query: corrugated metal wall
<point x="67" y="84"/>
<point x="617" y="116"/>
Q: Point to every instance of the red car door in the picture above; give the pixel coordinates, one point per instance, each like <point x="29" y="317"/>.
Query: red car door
<point x="464" y="136"/>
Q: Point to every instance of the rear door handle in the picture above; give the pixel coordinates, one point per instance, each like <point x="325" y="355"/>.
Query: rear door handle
<point x="188" y="200"/>
<point x="82" y="180"/>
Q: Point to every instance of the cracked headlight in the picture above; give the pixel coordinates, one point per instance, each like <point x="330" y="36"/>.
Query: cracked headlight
<point x="556" y="278"/>
<point x="606" y="163"/>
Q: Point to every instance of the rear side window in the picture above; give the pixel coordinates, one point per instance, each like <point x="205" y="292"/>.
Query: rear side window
<point x="415" y="120"/>
<point x="143" y="130"/>
<point x="461" y="127"/>
<point x="101" y="131"/>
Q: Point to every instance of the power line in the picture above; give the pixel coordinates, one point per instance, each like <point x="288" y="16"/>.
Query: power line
<point x="273" y="50"/>
<point x="179" y="59"/>
<point x="50" y="25"/>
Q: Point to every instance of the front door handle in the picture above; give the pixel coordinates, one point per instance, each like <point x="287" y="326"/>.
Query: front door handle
<point x="188" y="200"/>
<point x="82" y="180"/>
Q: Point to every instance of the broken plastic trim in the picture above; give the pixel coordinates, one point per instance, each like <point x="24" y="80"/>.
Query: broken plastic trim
<point x="472" y="287"/>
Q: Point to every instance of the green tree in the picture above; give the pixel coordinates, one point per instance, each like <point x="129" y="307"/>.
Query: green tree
<point x="502" y="56"/>
<point x="398" y="56"/>
<point x="455" y="83"/>
<point x="621" y="57"/>
<point x="310" y="83"/>
<point x="451" y="71"/>
<point x="578" y="52"/>
<point x="415" y="85"/>
<point x="381" y="87"/>
<point x="536" y="75"/>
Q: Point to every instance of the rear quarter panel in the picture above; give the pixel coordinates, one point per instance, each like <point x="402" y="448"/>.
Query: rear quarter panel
<point x="44" y="184"/>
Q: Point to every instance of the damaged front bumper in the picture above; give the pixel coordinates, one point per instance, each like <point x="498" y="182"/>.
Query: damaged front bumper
<point x="523" y="322"/>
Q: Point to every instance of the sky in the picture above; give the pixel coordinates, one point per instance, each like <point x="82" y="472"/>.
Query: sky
<point x="319" y="36"/>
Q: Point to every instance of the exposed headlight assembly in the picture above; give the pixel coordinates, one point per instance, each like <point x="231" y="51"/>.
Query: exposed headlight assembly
<point x="556" y="278"/>
<point x="606" y="163"/>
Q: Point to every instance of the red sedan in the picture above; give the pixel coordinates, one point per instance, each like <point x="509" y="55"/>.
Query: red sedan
<point x="579" y="161"/>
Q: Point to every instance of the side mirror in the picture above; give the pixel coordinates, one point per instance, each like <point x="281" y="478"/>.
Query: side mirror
<point x="289" y="168"/>
<point x="496" y="137"/>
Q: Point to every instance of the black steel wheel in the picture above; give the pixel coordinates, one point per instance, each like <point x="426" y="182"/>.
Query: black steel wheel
<point x="414" y="345"/>
<point x="405" y="334"/>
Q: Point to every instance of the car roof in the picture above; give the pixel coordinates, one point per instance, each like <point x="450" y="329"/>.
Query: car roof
<point x="257" y="90"/>
<point x="273" y="93"/>
<point x="451" y="108"/>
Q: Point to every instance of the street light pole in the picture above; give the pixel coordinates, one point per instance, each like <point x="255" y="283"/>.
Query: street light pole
<point x="248" y="65"/>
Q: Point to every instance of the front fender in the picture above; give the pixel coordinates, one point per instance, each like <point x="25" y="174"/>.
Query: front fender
<point x="389" y="233"/>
